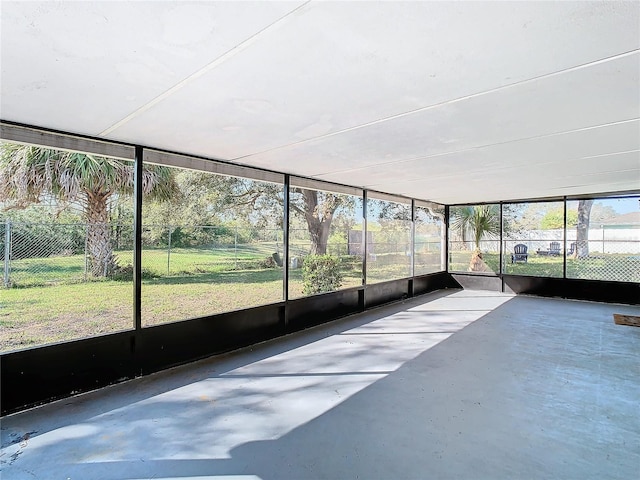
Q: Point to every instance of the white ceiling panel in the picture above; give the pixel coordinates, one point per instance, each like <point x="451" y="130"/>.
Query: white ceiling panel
<point x="595" y="95"/>
<point x="446" y="101"/>
<point x="612" y="172"/>
<point x="568" y="184"/>
<point x="548" y="153"/>
<point x="84" y="66"/>
<point x="338" y="65"/>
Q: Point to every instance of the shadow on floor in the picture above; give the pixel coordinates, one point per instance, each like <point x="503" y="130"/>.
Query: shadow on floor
<point x="534" y="389"/>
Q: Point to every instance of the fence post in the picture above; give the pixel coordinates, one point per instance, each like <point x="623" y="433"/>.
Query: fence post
<point x="235" y="247"/>
<point x="169" y="249"/>
<point x="86" y="257"/>
<point x="7" y="251"/>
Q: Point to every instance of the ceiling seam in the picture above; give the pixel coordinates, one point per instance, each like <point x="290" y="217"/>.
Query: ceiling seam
<point x="447" y="102"/>
<point x="471" y="173"/>
<point x="197" y="74"/>
<point x="609" y="154"/>
<point x="479" y="147"/>
<point x="494" y="170"/>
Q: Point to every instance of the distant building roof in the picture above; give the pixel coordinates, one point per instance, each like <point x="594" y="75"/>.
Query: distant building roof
<point x="631" y="218"/>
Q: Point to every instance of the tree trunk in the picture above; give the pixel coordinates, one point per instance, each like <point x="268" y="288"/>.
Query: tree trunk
<point x="477" y="263"/>
<point x="101" y="260"/>
<point x="318" y="223"/>
<point x="582" y="230"/>
<point x="319" y="237"/>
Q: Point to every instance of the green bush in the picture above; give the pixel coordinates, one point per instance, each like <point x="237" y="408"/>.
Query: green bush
<point x="256" y="263"/>
<point x="125" y="274"/>
<point x="321" y="273"/>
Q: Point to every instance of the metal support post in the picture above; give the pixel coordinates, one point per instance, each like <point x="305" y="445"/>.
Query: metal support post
<point x="137" y="238"/>
<point x="169" y="248"/>
<point x="564" y="223"/>
<point x="286" y="239"/>
<point x="7" y="252"/>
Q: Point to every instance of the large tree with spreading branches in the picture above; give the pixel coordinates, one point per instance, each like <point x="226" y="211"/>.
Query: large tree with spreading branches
<point x="206" y="198"/>
<point x="318" y="209"/>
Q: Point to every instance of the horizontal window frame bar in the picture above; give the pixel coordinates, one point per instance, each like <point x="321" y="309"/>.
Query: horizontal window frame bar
<point x="41" y="138"/>
<point x="311" y="184"/>
<point x="210" y="166"/>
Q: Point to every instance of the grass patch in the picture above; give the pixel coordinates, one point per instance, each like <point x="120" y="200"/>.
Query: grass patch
<point x="541" y="266"/>
<point x="172" y="299"/>
<point x="48" y="313"/>
<point x="41" y="315"/>
<point x="206" y="282"/>
<point x="619" y="268"/>
<point x="155" y="262"/>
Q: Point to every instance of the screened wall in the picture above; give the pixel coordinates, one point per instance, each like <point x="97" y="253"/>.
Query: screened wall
<point x="429" y="238"/>
<point x="474" y="238"/>
<point x="389" y="241"/>
<point x="210" y="244"/>
<point x="590" y="238"/>
<point x="325" y="237"/>
<point x="66" y="245"/>
<point x="98" y="238"/>
<point x="102" y="244"/>
<point x="120" y="260"/>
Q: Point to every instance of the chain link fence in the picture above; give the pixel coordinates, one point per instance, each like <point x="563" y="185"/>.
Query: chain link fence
<point x="188" y="250"/>
<point x="611" y="255"/>
<point x="614" y="260"/>
<point x="608" y="254"/>
<point x="34" y="254"/>
<point x="611" y="252"/>
<point x="39" y="253"/>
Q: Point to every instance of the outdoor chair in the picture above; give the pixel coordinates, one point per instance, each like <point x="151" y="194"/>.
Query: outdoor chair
<point x="519" y="253"/>
<point x="572" y="249"/>
<point x="554" y="249"/>
<point x="542" y="251"/>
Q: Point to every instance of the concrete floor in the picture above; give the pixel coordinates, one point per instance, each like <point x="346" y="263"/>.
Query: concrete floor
<point x="453" y="385"/>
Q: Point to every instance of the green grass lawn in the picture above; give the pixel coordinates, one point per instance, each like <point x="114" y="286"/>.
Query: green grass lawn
<point x="45" y="314"/>
<point x="155" y="262"/>
<point x="39" y="315"/>
<point x="52" y="302"/>
<point x="535" y="265"/>
<point x="620" y="268"/>
<point x="206" y="282"/>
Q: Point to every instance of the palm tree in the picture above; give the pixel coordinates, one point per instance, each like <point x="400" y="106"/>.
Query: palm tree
<point x="478" y="222"/>
<point x="29" y="173"/>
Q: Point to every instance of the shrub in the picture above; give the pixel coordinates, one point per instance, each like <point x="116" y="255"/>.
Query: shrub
<point x="256" y="264"/>
<point x="321" y="273"/>
<point x="125" y="274"/>
<point x="267" y="262"/>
